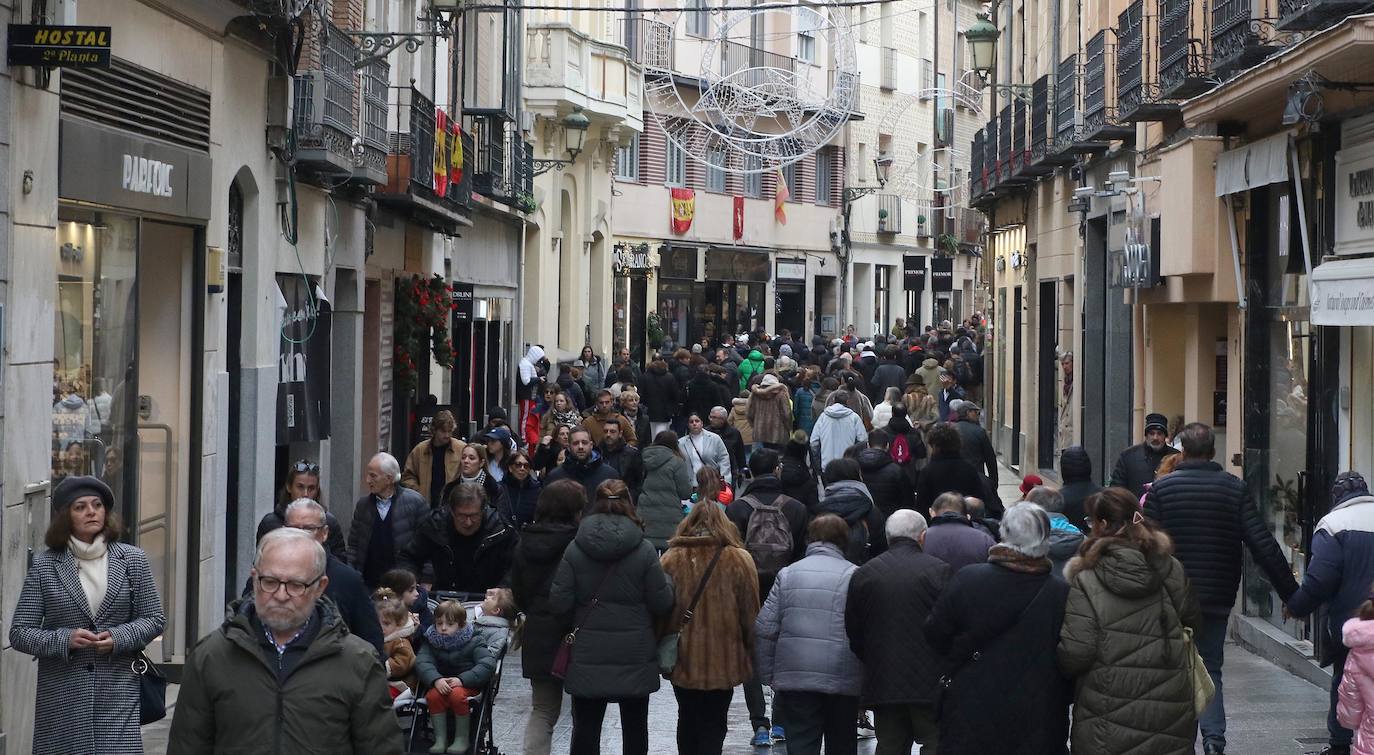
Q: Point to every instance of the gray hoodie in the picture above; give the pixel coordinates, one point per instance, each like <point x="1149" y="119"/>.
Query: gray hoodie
<point x="837" y="428"/>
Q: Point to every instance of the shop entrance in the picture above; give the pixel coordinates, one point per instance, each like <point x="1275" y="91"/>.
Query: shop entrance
<point x="791" y="309"/>
<point x="125" y="389"/>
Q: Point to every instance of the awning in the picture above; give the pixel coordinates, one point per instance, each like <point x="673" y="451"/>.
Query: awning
<point x="1254" y="165"/>
<point x="1343" y="292"/>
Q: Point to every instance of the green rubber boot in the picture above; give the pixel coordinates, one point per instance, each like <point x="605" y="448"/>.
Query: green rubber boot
<point x="460" y="736"/>
<point x="439" y="721"/>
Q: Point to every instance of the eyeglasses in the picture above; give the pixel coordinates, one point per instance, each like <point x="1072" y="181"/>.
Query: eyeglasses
<point x="311" y="528"/>
<point x="305" y="466"/>
<point x="294" y="588"/>
<point x="520" y="465"/>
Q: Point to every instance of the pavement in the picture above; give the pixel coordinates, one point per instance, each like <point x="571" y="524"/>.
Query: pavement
<point x="1270" y="711"/>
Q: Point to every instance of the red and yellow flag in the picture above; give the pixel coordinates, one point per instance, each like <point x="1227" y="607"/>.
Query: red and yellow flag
<point x="455" y="170"/>
<point x="684" y="208"/>
<point x="780" y="196"/>
<point x="440" y="152"/>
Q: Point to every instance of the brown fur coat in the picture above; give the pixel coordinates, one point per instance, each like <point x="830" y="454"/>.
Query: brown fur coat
<point x="717" y="647"/>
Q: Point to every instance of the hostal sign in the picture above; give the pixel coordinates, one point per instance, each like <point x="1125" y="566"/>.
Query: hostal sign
<point x="59" y="46"/>
<point x="1355" y="200"/>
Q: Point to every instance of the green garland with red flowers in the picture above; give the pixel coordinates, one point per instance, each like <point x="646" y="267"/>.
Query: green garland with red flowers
<point x="423" y="309"/>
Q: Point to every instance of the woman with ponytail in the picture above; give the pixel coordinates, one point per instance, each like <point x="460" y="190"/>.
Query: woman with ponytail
<point x="1123" y="635"/>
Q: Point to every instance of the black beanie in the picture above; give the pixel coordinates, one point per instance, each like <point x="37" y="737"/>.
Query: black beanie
<point x="72" y="488"/>
<point x="1348" y="485"/>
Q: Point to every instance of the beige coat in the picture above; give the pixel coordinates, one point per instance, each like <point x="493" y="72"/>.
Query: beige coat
<point x="416" y="473"/>
<point x="739" y="417"/>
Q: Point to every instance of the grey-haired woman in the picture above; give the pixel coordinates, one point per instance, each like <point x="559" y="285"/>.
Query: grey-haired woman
<point x="88" y="606"/>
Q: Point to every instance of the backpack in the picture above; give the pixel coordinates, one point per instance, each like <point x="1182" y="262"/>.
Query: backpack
<point x="768" y="536"/>
<point x="900" y="450"/>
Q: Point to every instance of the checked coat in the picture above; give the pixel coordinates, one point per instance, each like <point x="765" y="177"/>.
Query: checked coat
<point x="87" y="702"/>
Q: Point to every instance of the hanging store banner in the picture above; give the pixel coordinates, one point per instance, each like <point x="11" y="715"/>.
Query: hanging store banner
<point x="305" y="318"/>
<point x="739" y="218"/>
<point x="942" y="274"/>
<point x="914" y="272"/>
<point x="683" y="207"/>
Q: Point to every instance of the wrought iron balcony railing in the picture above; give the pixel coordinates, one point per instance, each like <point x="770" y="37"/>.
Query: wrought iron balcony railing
<point x="889" y="213"/>
<point x="326" y="108"/>
<point x="1244" y="32"/>
<point x="1004" y="145"/>
<point x="1302" y="15"/>
<point x="1043" y="157"/>
<point x="735" y="57"/>
<point x="992" y="151"/>
<point x="1182" y="48"/>
<point x="1099" y="92"/>
<point x="375" y="78"/>
<point x="1137" y="66"/>
<point x="977" y="183"/>
<point x="1019" y="153"/>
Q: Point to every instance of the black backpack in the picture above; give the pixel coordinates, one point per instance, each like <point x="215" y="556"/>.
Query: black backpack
<point x="768" y="535"/>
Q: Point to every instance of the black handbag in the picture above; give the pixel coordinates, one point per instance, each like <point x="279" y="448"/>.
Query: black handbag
<point x="152" y="690"/>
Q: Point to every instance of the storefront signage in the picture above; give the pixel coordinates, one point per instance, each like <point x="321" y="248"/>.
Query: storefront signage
<point x="1355" y="200"/>
<point x="677" y="262"/>
<point x="630" y="260"/>
<point x="942" y="274"/>
<point x="914" y="273"/>
<point x="59" y="46"/>
<point x="303" y="364"/>
<point x="730" y="265"/>
<point x="1343" y="292"/>
<point x="462" y="296"/>
<point x="792" y="270"/>
<point x="98" y="164"/>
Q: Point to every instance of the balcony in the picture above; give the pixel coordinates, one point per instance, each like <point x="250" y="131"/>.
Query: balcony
<point x="1182" y="63"/>
<point x="1137" y="79"/>
<point x="1020" y="155"/>
<point x="977" y="181"/>
<point x="371" y="169"/>
<point x="1242" y="34"/>
<point x="565" y="68"/>
<point x="1099" y="93"/>
<point x="992" y="146"/>
<point x="410" y="180"/>
<point x="1011" y="145"/>
<point x="504" y="164"/>
<point x="326" y="110"/>
<point x="1043" y="158"/>
<point x="1068" y="113"/>
<point x="1302" y="15"/>
<point x="735" y="57"/>
<point x="889" y="213"/>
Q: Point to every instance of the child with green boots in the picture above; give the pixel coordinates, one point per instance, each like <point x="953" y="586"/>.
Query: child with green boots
<point x="454" y="663"/>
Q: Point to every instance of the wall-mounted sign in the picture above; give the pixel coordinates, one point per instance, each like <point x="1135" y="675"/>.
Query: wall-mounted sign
<point x="629" y="259"/>
<point x="677" y="262"/>
<point x="102" y="165"/>
<point x="53" y="46"/>
<point x="914" y="272"/>
<point x="942" y="274"/>
<point x="791" y="270"/>
<point x="1355" y="200"/>
<point x="731" y="265"/>
<point x="303" y="365"/>
<point x="462" y="296"/>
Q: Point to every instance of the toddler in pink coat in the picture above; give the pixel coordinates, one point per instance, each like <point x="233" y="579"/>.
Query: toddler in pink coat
<point x="1355" y="708"/>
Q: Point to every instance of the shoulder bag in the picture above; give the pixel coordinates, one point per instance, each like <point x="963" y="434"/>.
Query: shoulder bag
<point x="152" y="683"/>
<point x="563" y="656"/>
<point x="946" y="681"/>
<point x="1203" y="688"/>
<point x="667" y="647"/>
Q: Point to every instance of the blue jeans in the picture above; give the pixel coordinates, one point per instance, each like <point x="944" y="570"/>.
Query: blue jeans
<point x="1339" y="735"/>
<point x="1211" y="640"/>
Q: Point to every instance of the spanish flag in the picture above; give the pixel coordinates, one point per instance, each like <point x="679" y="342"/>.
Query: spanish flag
<point x="780" y="196"/>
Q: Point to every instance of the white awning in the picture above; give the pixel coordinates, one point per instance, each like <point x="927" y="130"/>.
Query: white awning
<point x="1256" y="164"/>
<point x="1343" y="292"/>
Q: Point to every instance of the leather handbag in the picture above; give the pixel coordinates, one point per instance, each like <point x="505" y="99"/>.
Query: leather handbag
<point x="152" y="690"/>
<point x="1203" y="688"/>
<point x="667" y="647"/>
<point x="562" y="657"/>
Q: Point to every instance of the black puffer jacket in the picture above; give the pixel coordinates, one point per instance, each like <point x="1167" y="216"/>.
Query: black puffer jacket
<point x="531" y="577"/>
<point x="888" y="375"/>
<point x="851" y="501"/>
<point x="1209" y="513"/>
<point x="889" y="597"/>
<point x="616" y="650"/>
<point x="798" y="482"/>
<point x="658" y="390"/>
<point x="703" y="394"/>
<point x="915" y="444"/>
<point x="522" y="496"/>
<point x="433" y="544"/>
<point x="1136" y="466"/>
<point x="886" y="482"/>
<point x="589" y="474"/>
<point x="627" y="463"/>
<point x="947" y="474"/>
<point x="1076" y="467"/>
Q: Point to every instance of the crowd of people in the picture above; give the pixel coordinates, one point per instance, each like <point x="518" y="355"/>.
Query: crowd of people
<point x="821" y="520"/>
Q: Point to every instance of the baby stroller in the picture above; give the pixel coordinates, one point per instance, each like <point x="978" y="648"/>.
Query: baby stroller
<point x="412" y="711"/>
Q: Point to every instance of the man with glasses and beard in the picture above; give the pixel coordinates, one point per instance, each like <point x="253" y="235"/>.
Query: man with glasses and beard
<point x="283" y="673"/>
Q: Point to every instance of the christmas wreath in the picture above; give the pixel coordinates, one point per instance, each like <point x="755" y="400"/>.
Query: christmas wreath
<point x="423" y="309"/>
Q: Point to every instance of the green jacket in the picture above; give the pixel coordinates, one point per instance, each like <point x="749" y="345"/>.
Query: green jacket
<point x="750" y="367"/>
<point x="334" y="700"/>
<point x="1122" y="639"/>
<point x="472" y="663"/>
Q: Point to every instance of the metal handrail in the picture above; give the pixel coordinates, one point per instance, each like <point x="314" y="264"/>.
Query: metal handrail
<point x="169" y="572"/>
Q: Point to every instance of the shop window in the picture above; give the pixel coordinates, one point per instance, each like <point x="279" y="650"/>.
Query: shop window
<point x="627" y="160"/>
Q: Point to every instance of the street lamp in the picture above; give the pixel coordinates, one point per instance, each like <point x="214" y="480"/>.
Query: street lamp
<point x="982" y="44"/>
<point x="881" y="164"/>
<point x="575" y="126"/>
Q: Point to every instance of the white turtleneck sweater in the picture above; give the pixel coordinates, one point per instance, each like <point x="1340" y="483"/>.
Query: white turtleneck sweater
<point x="93" y="565"/>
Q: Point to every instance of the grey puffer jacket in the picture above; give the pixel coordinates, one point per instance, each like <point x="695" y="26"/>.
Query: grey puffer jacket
<point x="667" y="483"/>
<point x="801" y="644"/>
<point x="615" y="655"/>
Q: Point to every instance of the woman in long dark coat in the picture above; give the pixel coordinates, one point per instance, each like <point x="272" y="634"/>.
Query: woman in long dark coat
<point x="537" y="557"/>
<point x="88" y="606"/>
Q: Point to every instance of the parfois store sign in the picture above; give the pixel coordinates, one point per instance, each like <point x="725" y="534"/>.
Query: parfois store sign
<point x="53" y="46"/>
<point x="306" y="321"/>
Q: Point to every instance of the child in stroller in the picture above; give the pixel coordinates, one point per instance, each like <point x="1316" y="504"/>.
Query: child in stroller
<point x="454" y="663"/>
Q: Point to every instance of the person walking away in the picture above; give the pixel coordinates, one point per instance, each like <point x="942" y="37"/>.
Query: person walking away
<point x="1355" y="708"/>
<point x="610" y="590"/>
<point x="802" y="649"/>
<point x="908" y="447"/>
<point x="739" y="417"/>
<point x="837" y="429"/>
<point x="929" y="375"/>
<point x="952" y="536"/>
<point x="772" y="526"/>
<point x="661" y="395"/>
<point x="583" y="464"/>
<point x="537" y="557"/>
<point x="975" y="447"/>
<point x="888" y="597"/>
<point x="803" y="398"/>
<point x="1339" y="575"/>
<point x="997" y="625"/>
<point x="667" y="483"/>
<point x="385" y="520"/>
<point x="920" y="404"/>
<point x="1136" y="466"/>
<point x="624" y="458"/>
<point x="88" y="607"/>
<point x="884" y="478"/>
<point x="716" y="602"/>
<point x="1209" y="514"/>
<point x="797" y="476"/>
<point x="847" y="497"/>
<point x="770" y="412"/>
<point x="1076" y="470"/>
<point x="528" y="383"/>
<point x="433" y="463"/>
<point x="889" y="375"/>
<point x="703" y="448"/>
<point x="946" y="472"/>
<point x="1123" y="634"/>
<point x="1065" y="538"/>
<point x="453" y="664"/>
<point x="282" y="674"/>
<point x="753" y="365"/>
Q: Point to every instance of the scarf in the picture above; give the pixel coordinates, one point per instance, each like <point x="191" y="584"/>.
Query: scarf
<point x="449" y="641"/>
<point x="1010" y="558"/>
<point x="569" y="419"/>
<point x="404" y="632"/>
<point x="479" y="479"/>
<point x="93" y="567"/>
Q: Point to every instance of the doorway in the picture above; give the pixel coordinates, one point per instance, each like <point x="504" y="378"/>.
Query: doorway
<point x="1047" y="414"/>
<point x="1016" y="363"/>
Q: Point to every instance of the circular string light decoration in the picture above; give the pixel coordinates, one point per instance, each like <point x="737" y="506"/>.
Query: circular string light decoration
<point x="755" y="110"/>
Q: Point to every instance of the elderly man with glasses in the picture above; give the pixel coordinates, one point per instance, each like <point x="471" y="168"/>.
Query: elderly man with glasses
<point x="345" y="585"/>
<point x="283" y="673"/>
